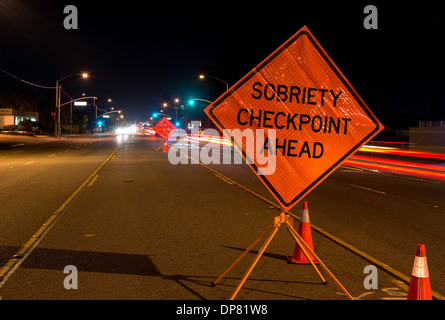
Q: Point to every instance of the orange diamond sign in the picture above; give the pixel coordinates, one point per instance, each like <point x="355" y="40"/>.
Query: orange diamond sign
<point x="164" y="127"/>
<point x="302" y="112"/>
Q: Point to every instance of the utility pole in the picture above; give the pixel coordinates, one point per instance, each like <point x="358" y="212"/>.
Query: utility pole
<point x="57" y="107"/>
<point x="59" y="129"/>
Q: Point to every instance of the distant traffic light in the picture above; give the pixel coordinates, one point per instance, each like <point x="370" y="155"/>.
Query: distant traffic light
<point x="191" y="102"/>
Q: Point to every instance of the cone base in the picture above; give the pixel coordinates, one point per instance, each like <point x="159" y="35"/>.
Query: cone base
<point x="419" y="289"/>
<point x="291" y="259"/>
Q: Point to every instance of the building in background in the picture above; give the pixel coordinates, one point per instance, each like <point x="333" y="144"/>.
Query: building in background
<point x="9" y="116"/>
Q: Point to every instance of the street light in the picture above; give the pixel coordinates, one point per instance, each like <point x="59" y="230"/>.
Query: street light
<point x="192" y="101"/>
<point x="202" y="76"/>
<point x="165" y="105"/>
<point x="176" y="108"/>
<point x="97" y="103"/>
<point x="119" y="118"/>
<point x="118" y="111"/>
<point x="57" y="128"/>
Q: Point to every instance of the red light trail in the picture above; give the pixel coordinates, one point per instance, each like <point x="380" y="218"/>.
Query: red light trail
<point x="410" y="167"/>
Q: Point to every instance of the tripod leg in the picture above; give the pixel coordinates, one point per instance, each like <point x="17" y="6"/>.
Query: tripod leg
<point x="257" y="258"/>
<point x="308" y="257"/>
<point x="159" y="147"/>
<point x="242" y="256"/>
<point x="296" y="235"/>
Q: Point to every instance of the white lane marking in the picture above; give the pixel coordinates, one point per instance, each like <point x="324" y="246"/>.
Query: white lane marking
<point x="368" y="189"/>
<point x="51" y="155"/>
<point x="29" y="162"/>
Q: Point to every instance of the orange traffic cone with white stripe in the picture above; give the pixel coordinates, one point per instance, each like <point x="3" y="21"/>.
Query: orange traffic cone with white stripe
<point x="165" y="147"/>
<point x="419" y="286"/>
<point x="304" y="230"/>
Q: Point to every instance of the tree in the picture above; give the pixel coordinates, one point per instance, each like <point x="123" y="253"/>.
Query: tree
<point x="46" y="107"/>
<point x="27" y="125"/>
<point x="19" y="98"/>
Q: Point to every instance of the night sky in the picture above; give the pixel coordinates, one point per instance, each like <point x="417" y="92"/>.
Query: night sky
<point x="138" y="52"/>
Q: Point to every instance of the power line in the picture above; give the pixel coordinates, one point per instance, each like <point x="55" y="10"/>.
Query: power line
<point x="30" y="83"/>
<point x="33" y="84"/>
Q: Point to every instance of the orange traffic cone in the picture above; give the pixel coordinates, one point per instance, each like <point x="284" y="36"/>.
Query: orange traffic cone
<point x="304" y="230"/>
<point x="419" y="286"/>
<point x="165" y="147"/>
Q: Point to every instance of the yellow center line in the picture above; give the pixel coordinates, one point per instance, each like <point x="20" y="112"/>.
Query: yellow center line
<point x="93" y="180"/>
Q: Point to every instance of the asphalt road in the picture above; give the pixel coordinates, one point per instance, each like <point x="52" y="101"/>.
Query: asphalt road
<point x="142" y="228"/>
<point x="38" y="177"/>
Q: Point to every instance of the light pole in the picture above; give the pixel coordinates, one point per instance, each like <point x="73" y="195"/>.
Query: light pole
<point x="202" y="76"/>
<point x="118" y="111"/>
<point x="71" y="118"/>
<point x="120" y="117"/>
<point x="192" y="102"/>
<point x="165" y="105"/>
<point x="97" y="103"/>
<point x="58" y="88"/>
<point x="176" y="108"/>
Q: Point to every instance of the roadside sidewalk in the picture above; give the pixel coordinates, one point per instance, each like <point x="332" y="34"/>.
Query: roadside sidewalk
<point x="8" y="141"/>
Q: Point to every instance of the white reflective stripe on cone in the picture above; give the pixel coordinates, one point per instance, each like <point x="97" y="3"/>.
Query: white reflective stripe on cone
<point x="304" y="216"/>
<point x="420" y="268"/>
